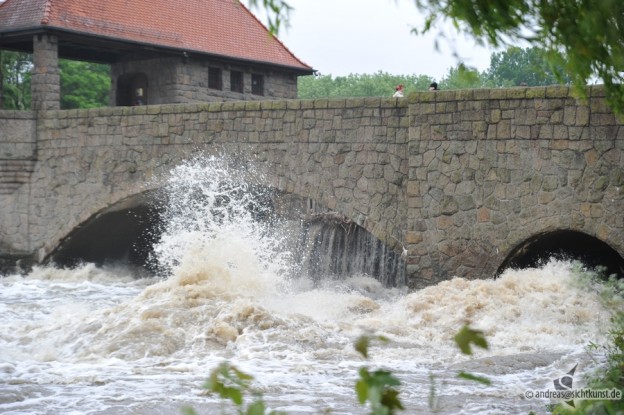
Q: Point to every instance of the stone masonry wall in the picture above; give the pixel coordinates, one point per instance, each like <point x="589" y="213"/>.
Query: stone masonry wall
<point x="349" y="155"/>
<point x="17" y="161"/>
<point x="453" y="179"/>
<point x="491" y="168"/>
<point x="172" y="80"/>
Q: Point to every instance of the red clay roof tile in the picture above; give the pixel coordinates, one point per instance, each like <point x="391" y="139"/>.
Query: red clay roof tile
<point x="219" y="27"/>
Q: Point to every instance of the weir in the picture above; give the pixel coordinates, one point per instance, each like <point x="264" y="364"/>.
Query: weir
<point x="451" y="182"/>
<point x="323" y="245"/>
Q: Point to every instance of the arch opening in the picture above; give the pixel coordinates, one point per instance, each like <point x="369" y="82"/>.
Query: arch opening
<point x="122" y="235"/>
<point x="323" y="245"/>
<point x="568" y="245"/>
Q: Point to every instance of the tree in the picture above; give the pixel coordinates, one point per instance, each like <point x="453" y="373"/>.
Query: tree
<point x="462" y="77"/>
<point x="381" y="84"/>
<point x="516" y="66"/>
<point x="15" y="68"/>
<point x="84" y="84"/>
<point x="583" y="37"/>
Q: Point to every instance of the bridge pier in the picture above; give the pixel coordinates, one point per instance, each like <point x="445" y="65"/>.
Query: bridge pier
<point x="46" y="75"/>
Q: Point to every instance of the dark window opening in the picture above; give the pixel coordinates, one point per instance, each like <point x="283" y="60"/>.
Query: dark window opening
<point x="132" y="89"/>
<point x="236" y="81"/>
<point x="257" y="84"/>
<point x="215" y="78"/>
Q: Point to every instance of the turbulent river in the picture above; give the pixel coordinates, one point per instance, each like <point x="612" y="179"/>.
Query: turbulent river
<point x="99" y="340"/>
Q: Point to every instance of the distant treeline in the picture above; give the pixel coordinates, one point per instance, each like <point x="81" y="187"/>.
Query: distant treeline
<point x="87" y="85"/>
<point x="512" y="67"/>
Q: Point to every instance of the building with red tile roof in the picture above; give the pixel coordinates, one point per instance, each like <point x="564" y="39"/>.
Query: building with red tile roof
<point x="160" y="51"/>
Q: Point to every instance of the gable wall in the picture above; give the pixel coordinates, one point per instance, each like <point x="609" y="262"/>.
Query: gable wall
<point x="173" y="81"/>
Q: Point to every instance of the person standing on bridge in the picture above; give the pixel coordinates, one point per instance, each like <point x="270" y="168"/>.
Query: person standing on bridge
<point x="398" y="92"/>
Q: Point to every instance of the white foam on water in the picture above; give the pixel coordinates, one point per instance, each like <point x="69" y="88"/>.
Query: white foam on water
<point x="92" y="340"/>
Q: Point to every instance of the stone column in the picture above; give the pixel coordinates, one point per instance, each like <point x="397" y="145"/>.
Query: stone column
<point x="46" y="77"/>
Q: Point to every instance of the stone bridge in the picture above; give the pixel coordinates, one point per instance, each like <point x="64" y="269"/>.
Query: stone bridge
<point x="463" y="183"/>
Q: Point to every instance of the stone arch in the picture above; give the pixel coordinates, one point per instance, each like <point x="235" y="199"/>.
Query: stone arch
<point x="332" y="244"/>
<point x="323" y="196"/>
<point x="565" y="244"/>
<point x="124" y="230"/>
<point x="124" y="233"/>
<point x="114" y="234"/>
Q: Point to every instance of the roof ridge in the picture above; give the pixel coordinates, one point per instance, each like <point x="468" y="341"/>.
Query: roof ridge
<point x="46" y="12"/>
<point x="273" y="36"/>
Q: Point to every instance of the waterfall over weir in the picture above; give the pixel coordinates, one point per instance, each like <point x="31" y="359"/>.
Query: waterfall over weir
<point x="334" y="247"/>
<point x="205" y="199"/>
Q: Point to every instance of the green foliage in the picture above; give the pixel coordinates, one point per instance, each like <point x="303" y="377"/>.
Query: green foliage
<point x="467" y="336"/>
<point x="84" y="84"/>
<point x="363" y="342"/>
<point x="610" y="375"/>
<point x="530" y="66"/>
<point x="512" y="67"/>
<point x="470" y="376"/>
<point x="590" y="34"/>
<point x="462" y="77"/>
<point x="464" y="338"/>
<point x="583" y="38"/>
<point x="380" y="84"/>
<point x="232" y="384"/>
<point x="229" y="383"/>
<point x="278" y="12"/>
<point x="377" y="387"/>
<point x="15" y="77"/>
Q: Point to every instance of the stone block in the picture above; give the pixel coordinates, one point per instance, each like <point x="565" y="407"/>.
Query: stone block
<point x="536" y="92"/>
<point x="557" y="91"/>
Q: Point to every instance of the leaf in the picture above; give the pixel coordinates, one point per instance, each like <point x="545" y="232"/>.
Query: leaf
<point x="361" y="388"/>
<point x="235" y="395"/>
<point x="188" y="411"/>
<point x="228" y="382"/>
<point x="384" y="378"/>
<point x="470" y="376"/>
<point x="466" y="336"/>
<point x="391" y="400"/>
<point x="256" y="408"/>
<point x="361" y="345"/>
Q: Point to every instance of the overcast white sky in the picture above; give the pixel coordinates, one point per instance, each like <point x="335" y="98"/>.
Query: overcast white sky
<point x="340" y="37"/>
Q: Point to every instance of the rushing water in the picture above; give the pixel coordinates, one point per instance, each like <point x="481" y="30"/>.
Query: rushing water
<point x="101" y="341"/>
